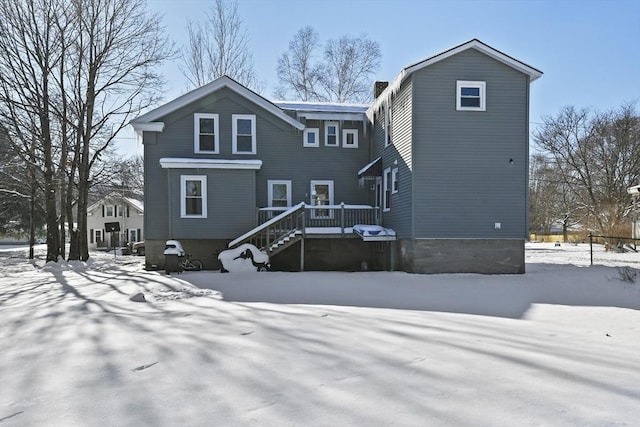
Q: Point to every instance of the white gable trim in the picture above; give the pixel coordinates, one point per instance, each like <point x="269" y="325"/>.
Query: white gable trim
<point x="394" y="86"/>
<point x="181" y="163"/>
<point x="533" y="73"/>
<point x="208" y="89"/>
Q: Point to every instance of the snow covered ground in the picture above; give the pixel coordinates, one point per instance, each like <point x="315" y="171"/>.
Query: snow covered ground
<point x="558" y="346"/>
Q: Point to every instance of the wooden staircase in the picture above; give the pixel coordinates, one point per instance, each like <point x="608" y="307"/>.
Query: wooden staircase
<point x="276" y="234"/>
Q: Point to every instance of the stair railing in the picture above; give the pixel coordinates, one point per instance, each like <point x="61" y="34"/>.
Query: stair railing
<point x="273" y="230"/>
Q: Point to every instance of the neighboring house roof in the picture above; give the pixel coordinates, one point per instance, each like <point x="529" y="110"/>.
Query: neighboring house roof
<point x="148" y="121"/>
<point x="137" y="204"/>
<point x="476" y="44"/>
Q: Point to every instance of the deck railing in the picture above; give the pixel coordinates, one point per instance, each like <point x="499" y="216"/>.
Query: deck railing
<point x="337" y="216"/>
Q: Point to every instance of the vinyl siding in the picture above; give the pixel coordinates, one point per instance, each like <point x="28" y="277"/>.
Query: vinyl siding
<point x="230" y="205"/>
<point x="463" y="179"/>
<point x="278" y="145"/>
<point x="399" y="217"/>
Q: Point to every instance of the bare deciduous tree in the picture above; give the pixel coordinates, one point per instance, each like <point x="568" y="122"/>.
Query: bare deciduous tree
<point x="551" y="202"/>
<point x="296" y="68"/>
<point x="118" y="52"/>
<point x="597" y="156"/>
<point x="349" y="63"/>
<point x="72" y="74"/>
<point x="217" y="47"/>
<point x="342" y="74"/>
<point x="29" y="52"/>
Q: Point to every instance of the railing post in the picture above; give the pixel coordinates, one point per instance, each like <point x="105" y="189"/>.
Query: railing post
<point x="342" y="217"/>
<point x="268" y="243"/>
<point x="591" y="247"/>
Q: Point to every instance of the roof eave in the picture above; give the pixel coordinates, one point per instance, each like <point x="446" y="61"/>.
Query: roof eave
<point x="532" y="72"/>
<point x="208" y="89"/>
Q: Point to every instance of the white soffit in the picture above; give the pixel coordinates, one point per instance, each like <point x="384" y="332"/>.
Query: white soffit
<point x="181" y="163"/>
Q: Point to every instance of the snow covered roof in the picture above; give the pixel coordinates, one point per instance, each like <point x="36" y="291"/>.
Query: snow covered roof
<point x="322" y="106"/>
<point x="476" y="44"/>
<point x="325" y="110"/>
<point x="115" y="196"/>
<point x="375" y="167"/>
<point x="138" y="204"/>
<point x="147" y="122"/>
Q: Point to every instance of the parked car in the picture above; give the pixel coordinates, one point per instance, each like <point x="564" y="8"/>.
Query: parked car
<point x="138" y="248"/>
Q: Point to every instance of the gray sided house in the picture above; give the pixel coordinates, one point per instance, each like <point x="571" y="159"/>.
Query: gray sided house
<point x="439" y="161"/>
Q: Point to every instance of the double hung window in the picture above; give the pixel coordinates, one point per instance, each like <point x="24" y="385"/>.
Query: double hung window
<point x="331" y="134"/>
<point x="279" y="193"/>
<point x="206" y="138"/>
<point x="193" y="196"/>
<point x="244" y="134"/>
<point x="386" y="199"/>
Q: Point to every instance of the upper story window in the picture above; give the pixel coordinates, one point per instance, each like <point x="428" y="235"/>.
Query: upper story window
<point x="205" y="131"/>
<point x="470" y="95"/>
<point x="311" y="137"/>
<point x="193" y="196"/>
<point x="244" y="134"/>
<point x="331" y="134"/>
<point x="108" y="210"/>
<point x="350" y="138"/>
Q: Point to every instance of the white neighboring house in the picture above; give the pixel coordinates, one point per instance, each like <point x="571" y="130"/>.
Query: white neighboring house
<point x="127" y="212"/>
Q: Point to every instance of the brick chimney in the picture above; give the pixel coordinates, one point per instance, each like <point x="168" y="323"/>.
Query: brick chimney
<point x="378" y="87"/>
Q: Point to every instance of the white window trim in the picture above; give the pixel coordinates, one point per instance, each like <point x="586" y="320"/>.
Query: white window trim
<point x="270" y="184"/>
<point x="326" y="134"/>
<point x="234" y="130"/>
<point x="329" y="184"/>
<point x="307" y="131"/>
<point x="183" y="194"/>
<point x="394" y="180"/>
<point x="473" y="84"/>
<point x="106" y="211"/>
<point x="196" y="133"/>
<point x="386" y="204"/>
<point x="346" y="132"/>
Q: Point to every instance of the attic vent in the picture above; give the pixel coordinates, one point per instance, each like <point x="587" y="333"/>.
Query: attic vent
<point x="378" y="87"/>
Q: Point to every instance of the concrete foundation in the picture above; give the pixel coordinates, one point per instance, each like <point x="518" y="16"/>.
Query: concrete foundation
<point x="427" y="256"/>
<point x="484" y="256"/>
<point x="204" y="250"/>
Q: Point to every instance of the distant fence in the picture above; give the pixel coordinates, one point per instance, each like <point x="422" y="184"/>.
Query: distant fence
<point x="615" y="245"/>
